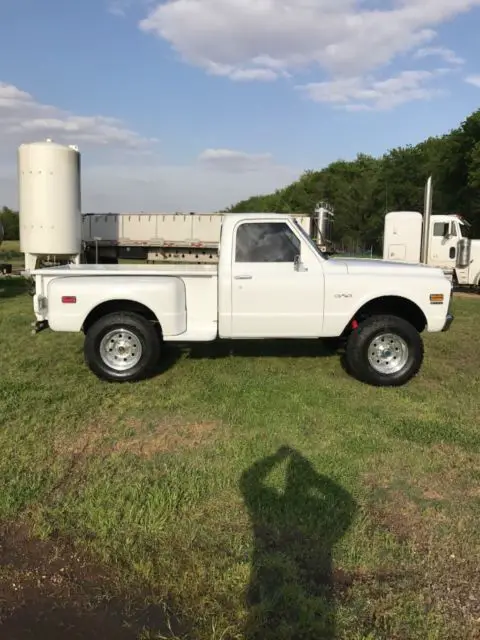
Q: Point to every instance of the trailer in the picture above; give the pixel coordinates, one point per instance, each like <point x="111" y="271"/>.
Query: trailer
<point x="176" y="237"/>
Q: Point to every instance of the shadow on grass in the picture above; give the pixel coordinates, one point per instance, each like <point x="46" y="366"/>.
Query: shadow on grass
<point x="264" y="349"/>
<point x="292" y="588"/>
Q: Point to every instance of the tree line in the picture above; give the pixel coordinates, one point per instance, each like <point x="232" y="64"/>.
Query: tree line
<point x="363" y="190"/>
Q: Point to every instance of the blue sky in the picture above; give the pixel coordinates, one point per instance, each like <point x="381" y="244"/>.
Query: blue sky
<point x="193" y="104"/>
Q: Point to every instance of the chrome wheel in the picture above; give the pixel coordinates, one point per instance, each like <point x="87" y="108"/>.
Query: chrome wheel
<point x="388" y="353"/>
<point x="120" y="349"/>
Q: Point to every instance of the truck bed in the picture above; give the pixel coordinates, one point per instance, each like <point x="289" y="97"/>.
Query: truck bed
<point x="178" y="270"/>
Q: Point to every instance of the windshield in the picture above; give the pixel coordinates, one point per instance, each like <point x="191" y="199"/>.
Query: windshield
<point x="309" y="240"/>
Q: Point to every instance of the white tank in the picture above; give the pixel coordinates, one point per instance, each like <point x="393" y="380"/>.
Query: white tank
<point x="49" y="199"/>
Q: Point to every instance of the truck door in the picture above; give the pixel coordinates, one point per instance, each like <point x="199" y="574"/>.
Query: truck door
<point x="443" y="243"/>
<point x="277" y="283"/>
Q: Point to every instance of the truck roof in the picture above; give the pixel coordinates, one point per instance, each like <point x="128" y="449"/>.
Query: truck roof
<point x="265" y="216"/>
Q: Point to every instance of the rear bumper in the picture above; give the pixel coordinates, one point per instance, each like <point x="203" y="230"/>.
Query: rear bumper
<point x="448" y="322"/>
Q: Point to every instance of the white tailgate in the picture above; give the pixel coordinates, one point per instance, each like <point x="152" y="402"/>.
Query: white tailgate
<point x="163" y="295"/>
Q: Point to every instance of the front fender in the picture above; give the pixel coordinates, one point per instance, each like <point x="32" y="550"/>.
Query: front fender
<point x="341" y="310"/>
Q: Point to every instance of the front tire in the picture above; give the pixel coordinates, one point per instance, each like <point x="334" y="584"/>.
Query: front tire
<point x="122" y="347"/>
<point x="384" y="351"/>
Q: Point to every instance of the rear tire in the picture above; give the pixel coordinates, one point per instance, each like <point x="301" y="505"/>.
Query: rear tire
<point x="384" y="351"/>
<point x="122" y="347"/>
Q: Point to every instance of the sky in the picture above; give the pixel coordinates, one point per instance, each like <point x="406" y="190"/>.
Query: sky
<point x="192" y="105"/>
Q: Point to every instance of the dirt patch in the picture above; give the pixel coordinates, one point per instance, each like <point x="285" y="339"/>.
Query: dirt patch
<point x="403" y="518"/>
<point x="449" y="475"/>
<point x="85" y="443"/>
<point x="163" y="438"/>
<point x="168" y="438"/>
<point x="430" y="494"/>
<point x="48" y="591"/>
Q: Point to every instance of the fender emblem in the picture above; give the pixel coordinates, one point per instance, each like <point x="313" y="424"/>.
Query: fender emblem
<point x="342" y="295"/>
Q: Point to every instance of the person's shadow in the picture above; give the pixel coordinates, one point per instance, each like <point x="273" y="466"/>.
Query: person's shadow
<point x="291" y="591"/>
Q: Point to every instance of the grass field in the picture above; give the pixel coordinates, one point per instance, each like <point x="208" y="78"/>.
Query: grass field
<point x="259" y="493"/>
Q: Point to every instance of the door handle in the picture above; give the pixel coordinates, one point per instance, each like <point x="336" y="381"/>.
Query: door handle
<point x="243" y="277"/>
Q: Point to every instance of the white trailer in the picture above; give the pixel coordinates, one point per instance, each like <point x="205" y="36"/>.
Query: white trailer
<point x="436" y="240"/>
<point x="176" y="237"/>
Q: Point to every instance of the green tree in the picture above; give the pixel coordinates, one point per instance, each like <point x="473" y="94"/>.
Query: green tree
<point x="10" y="223"/>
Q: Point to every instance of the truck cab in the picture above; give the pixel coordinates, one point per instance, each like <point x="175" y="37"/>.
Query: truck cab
<point x="271" y="279"/>
<point x="449" y="246"/>
<point x="436" y="240"/>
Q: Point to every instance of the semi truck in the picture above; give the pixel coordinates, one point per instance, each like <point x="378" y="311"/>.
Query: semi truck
<point x="433" y="239"/>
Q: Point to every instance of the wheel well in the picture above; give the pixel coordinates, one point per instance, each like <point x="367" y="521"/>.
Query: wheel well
<point x="393" y="305"/>
<point x="115" y="306"/>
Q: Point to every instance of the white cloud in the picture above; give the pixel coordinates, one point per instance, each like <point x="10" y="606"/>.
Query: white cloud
<point x="242" y="75"/>
<point x="22" y="118"/>
<point x="448" y="55"/>
<point x="474" y="80"/>
<point x="262" y="39"/>
<point x="234" y="161"/>
<point x="121" y="8"/>
<point x="118" y="7"/>
<point x="366" y="93"/>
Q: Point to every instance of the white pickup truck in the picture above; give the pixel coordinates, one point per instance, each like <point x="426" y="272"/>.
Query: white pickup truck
<point x="271" y="282"/>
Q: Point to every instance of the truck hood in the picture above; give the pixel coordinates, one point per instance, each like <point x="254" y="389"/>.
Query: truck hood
<point x="384" y="267"/>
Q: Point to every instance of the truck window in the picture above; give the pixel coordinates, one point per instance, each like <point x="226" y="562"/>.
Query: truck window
<point x="266" y="242"/>
<point x="440" y="229"/>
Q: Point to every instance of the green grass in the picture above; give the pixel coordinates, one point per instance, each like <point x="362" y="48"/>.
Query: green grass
<point x="10" y="246"/>
<point x="367" y="530"/>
